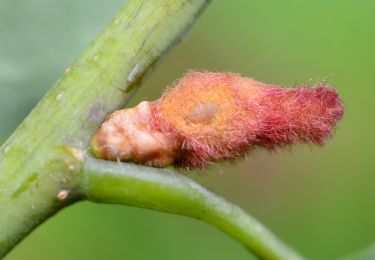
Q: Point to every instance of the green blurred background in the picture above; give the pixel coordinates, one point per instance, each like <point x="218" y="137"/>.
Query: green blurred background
<point x="319" y="200"/>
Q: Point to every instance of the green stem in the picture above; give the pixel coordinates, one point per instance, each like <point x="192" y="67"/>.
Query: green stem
<point x="44" y="165"/>
<point x="40" y="164"/>
<point x="367" y="253"/>
<point x="111" y="182"/>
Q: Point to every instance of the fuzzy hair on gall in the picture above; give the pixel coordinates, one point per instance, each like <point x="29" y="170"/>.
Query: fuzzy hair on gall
<point x="209" y="116"/>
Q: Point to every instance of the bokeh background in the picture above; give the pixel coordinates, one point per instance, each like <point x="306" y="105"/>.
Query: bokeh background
<point x="318" y="200"/>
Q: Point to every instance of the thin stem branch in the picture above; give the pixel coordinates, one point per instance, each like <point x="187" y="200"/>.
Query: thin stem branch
<point x="163" y="190"/>
<point x="367" y="253"/>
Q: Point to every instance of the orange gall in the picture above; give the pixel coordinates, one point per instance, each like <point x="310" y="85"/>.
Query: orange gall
<point x="208" y="117"/>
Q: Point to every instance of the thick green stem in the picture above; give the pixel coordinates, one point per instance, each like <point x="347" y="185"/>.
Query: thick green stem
<point x="40" y="164"/>
<point x="111" y="182"/>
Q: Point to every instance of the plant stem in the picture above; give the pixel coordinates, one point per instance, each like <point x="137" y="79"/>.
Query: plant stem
<point x="40" y="164"/>
<point x="111" y="182"/>
<point x="367" y="253"/>
<point x="45" y="165"/>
